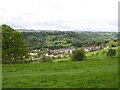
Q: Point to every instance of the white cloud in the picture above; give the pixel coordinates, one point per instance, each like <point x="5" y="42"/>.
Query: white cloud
<point x="98" y="15"/>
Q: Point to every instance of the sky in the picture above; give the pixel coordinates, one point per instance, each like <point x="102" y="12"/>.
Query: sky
<point x="75" y="15"/>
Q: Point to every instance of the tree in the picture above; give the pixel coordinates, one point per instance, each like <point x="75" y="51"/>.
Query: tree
<point x="14" y="49"/>
<point x="78" y="55"/>
<point x="39" y="53"/>
<point x="111" y="52"/>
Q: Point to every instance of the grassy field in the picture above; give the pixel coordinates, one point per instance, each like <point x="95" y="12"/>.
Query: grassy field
<point x="98" y="71"/>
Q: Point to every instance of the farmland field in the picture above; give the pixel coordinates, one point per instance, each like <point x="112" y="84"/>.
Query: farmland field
<point x="98" y="71"/>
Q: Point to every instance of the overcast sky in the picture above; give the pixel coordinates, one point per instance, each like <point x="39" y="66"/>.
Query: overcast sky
<point x="95" y="15"/>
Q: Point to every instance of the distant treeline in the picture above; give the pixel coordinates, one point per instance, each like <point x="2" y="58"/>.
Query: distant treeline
<point x="66" y="39"/>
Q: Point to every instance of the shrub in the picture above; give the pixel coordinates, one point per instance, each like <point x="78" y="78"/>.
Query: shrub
<point x="112" y="43"/>
<point x="103" y="52"/>
<point x="111" y="52"/>
<point x="78" y="55"/>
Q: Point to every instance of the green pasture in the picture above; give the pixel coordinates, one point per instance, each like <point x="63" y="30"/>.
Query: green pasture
<point x="97" y="71"/>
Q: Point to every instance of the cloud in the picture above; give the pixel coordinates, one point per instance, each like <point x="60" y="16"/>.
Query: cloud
<point x="98" y="15"/>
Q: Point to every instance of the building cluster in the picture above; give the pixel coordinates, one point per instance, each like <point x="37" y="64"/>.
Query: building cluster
<point x="61" y="52"/>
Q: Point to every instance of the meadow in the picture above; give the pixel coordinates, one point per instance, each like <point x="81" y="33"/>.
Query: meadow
<point x="97" y="71"/>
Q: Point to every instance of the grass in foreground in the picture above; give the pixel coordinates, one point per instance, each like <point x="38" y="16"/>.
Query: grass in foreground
<point x="85" y="74"/>
<point x="98" y="71"/>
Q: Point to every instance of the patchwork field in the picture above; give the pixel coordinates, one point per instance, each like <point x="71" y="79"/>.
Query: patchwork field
<point x="98" y="71"/>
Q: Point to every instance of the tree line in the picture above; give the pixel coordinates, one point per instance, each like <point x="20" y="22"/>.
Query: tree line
<point x="66" y="39"/>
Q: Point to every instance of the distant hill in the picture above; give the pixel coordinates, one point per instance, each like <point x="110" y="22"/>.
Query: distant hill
<point x="40" y="39"/>
<point x="32" y="30"/>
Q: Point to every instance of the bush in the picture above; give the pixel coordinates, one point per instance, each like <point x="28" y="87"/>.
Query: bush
<point x="78" y="55"/>
<point x="112" y="43"/>
<point x="111" y="52"/>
